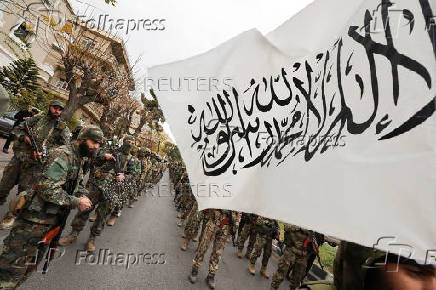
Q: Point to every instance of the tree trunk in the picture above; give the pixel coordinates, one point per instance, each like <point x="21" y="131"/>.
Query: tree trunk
<point x="71" y="106"/>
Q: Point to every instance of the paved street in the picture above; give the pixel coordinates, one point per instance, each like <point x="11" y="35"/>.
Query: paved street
<point x="151" y="228"/>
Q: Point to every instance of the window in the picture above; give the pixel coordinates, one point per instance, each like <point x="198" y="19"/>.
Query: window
<point x="62" y="84"/>
<point x="88" y="42"/>
<point x="24" y="32"/>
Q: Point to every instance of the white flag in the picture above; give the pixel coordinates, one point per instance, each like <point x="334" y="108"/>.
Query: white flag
<point x="326" y="123"/>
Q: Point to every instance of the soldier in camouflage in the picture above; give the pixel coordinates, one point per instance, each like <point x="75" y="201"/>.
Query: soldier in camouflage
<point x="266" y="229"/>
<point x="187" y="199"/>
<point x="58" y="190"/>
<point x="192" y="226"/>
<point x="216" y="230"/>
<point x="111" y="179"/>
<point x="294" y="256"/>
<point x="249" y="232"/>
<point x="26" y="164"/>
<point x="142" y="170"/>
<point x="101" y="192"/>
<point x="135" y="178"/>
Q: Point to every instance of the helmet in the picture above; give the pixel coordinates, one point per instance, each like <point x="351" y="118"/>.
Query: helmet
<point x="57" y="103"/>
<point x="91" y="132"/>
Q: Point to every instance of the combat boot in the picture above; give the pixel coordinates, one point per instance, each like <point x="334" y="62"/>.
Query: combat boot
<point x="90" y="244"/>
<point x="111" y="220"/>
<point x="263" y="272"/>
<point x="93" y="217"/>
<point x="183" y="235"/>
<point x="185" y="245"/>
<point x="251" y="269"/>
<point x="7" y="221"/>
<point x="71" y="238"/>
<point x="210" y="281"/>
<point x="239" y="254"/>
<point x="180" y="223"/>
<point x="194" y="275"/>
<point x="195" y="239"/>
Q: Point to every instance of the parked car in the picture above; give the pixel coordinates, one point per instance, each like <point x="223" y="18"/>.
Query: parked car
<point x="6" y="123"/>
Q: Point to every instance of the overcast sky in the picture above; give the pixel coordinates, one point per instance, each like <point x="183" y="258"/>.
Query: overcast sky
<point x="184" y="28"/>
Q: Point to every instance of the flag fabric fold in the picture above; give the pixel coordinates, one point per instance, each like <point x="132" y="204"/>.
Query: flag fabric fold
<point x="327" y="123"/>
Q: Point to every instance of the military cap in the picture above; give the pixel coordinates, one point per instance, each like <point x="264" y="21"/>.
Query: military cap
<point x="129" y="137"/>
<point x="91" y="132"/>
<point x="57" y="103"/>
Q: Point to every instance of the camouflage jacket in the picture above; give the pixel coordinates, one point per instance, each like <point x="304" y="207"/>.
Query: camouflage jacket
<point x="103" y="170"/>
<point x="60" y="181"/>
<point x="138" y="169"/>
<point x="266" y="226"/>
<point x="218" y="216"/>
<point x="296" y="237"/>
<point x="144" y="168"/>
<point x="41" y="126"/>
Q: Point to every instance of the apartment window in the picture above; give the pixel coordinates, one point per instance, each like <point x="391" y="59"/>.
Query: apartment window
<point x="24" y="32"/>
<point x="62" y="84"/>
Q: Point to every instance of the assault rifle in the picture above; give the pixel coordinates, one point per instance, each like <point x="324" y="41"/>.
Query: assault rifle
<point x="35" y="150"/>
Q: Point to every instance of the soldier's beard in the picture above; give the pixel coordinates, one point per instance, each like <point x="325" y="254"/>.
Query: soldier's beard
<point x="53" y="116"/>
<point x="125" y="148"/>
<point x="84" y="150"/>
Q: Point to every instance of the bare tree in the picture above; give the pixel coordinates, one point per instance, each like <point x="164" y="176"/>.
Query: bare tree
<point x="151" y="114"/>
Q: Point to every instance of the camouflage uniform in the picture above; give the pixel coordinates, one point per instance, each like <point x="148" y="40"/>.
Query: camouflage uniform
<point x="143" y="171"/>
<point x="248" y="231"/>
<point x="193" y="222"/>
<point x="102" y="174"/>
<point x="186" y="199"/>
<point x="216" y="231"/>
<point x="23" y="169"/>
<point x="294" y="256"/>
<point x="265" y="229"/>
<point x="55" y="196"/>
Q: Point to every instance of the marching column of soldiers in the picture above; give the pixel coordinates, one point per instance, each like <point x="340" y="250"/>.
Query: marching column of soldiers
<point x="218" y="225"/>
<point x="49" y="166"/>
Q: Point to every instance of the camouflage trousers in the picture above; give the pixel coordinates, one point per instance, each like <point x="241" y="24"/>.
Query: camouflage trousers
<point x="21" y="254"/>
<point x="104" y="210"/>
<point x="186" y="207"/>
<point x="193" y="222"/>
<point x="247" y="232"/>
<point x="211" y="233"/>
<point x="297" y="260"/>
<point x="263" y="242"/>
<point x="25" y="174"/>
